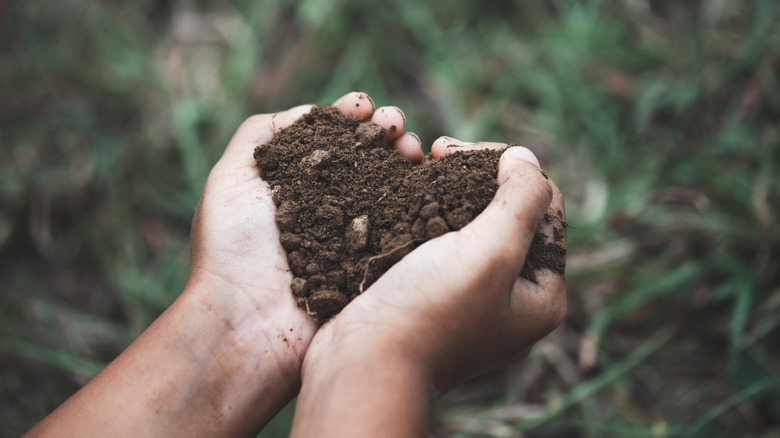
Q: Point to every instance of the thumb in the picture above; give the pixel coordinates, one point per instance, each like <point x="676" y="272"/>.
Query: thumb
<point x="506" y="227"/>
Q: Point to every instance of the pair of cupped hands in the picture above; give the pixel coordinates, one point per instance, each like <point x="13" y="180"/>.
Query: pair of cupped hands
<point x="453" y="308"/>
<point x="234" y="348"/>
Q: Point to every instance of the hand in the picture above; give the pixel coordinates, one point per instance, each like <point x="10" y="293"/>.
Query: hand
<point x="235" y="240"/>
<point x="451" y="309"/>
<point x="226" y="356"/>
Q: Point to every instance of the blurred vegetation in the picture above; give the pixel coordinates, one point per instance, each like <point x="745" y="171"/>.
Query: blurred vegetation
<point x="657" y="118"/>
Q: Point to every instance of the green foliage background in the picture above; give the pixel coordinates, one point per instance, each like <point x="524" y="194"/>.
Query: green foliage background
<point x="658" y="119"/>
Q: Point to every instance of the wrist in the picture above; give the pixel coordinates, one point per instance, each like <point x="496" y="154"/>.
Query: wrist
<point x="339" y="346"/>
<point x="198" y="370"/>
<point x="388" y="390"/>
<point x="254" y="340"/>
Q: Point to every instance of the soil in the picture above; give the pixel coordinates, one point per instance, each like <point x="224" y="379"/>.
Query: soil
<point x="349" y="207"/>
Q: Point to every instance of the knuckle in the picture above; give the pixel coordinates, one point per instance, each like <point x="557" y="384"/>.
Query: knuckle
<point x="542" y="190"/>
<point x="556" y="309"/>
<point x="549" y="308"/>
<point x="536" y="192"/>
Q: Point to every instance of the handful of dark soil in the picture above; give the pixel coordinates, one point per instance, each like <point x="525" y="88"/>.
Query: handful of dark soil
<point x="349" y="207"/>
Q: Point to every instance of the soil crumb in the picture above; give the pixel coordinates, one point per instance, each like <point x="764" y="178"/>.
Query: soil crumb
<point x="349" y="207"/>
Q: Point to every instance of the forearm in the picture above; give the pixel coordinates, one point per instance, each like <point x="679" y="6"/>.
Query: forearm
<point x="194" y="372"/>
<point x="368" y="390"/>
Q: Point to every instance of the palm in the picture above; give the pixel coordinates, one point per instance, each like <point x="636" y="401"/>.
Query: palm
<point x="235" y="238"/>
<point x="433" y="300"/>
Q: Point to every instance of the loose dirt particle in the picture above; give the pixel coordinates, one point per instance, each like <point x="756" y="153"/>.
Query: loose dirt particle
<point x="369" y="133"/>
<point x="458" y="218"/>
<point x="299" y="287"/>
<point x="430" y="210"/>
<point x="357" y="234"/>
<point x="287" y="216"/>
<point x="435" y="227"/>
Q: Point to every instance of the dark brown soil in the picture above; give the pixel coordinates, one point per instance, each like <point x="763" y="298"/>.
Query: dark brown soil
<point x="349" y="207"/>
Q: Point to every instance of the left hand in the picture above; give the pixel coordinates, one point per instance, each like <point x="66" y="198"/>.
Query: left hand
<point x="226" y="356"/>
<point x="235" y="245"/>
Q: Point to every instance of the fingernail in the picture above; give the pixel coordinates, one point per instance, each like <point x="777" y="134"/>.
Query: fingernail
<point x="524" y="154"/>
<point x="403" y="116"/>
<point x="364" y="95"/>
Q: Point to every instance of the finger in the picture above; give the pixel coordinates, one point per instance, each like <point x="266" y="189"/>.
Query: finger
<point x="355" y="104"/>
<point x="548" y="305"/>
<point x="554" y="225"/>
<point x="257" y="130"/>
<point x="447" y="145"/>
<point x="392" y="119"/>
<point x="505" y="229"/>
<point x="409" y="146"/>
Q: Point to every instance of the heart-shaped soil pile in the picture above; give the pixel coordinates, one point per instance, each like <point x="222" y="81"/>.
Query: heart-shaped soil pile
<point x="349" y="207"/>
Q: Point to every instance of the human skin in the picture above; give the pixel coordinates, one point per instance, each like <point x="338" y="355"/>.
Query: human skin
<point x="229" y="352"/>
<point x="453" y="308"/>
<point x="226" y="356"/>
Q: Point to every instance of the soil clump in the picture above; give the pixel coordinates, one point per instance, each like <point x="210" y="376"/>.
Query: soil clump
<point x="349" y="207"/>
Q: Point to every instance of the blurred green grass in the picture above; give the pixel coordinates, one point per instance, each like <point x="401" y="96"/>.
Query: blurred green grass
<point x="657" y="118"/>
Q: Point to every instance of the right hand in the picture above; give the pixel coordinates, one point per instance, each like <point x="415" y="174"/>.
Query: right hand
<point x="455" y="307"/>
